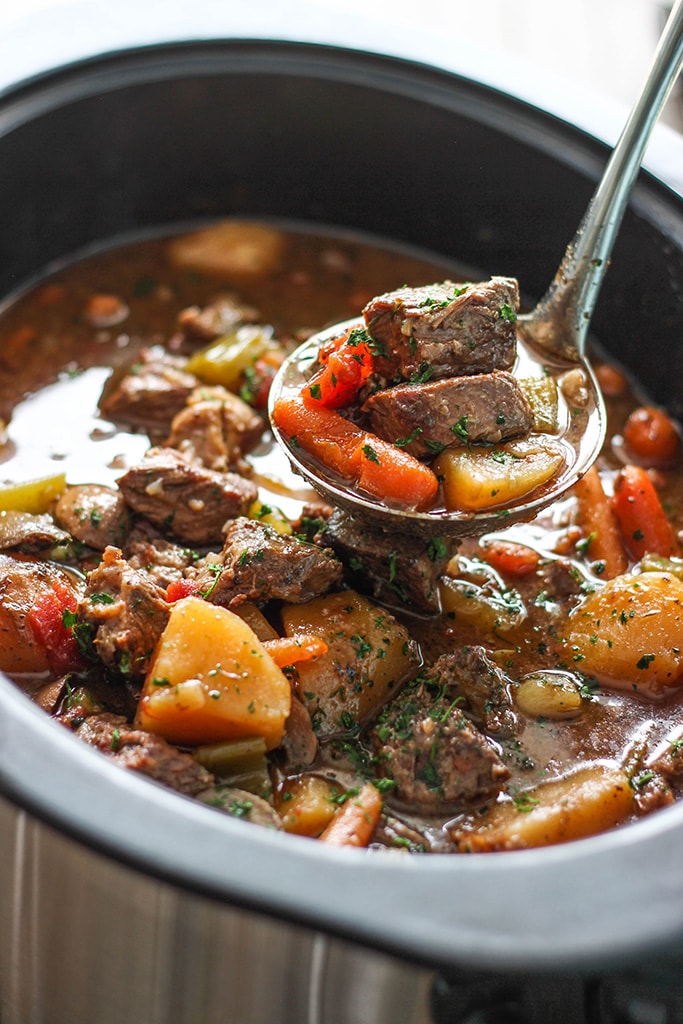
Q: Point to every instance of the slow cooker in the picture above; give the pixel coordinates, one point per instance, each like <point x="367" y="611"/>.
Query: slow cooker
<point x="120" y="901"/>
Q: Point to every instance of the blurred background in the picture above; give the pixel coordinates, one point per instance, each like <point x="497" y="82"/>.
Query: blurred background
<point x="600" y="45"/>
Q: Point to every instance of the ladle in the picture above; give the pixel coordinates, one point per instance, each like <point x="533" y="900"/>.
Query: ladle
<point x="555" y="333"/>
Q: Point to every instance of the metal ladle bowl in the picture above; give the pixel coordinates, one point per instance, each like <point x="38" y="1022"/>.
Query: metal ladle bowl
<point x="554" y="334"/>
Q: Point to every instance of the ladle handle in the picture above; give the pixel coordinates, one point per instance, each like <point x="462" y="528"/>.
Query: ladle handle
<point x="562" y="319"/>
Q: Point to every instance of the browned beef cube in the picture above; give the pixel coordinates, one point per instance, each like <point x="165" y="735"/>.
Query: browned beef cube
<point x="426" y="418"/>
<point x="94" y="514"/>
<point x="151" y="393"/>
<point x="444" y="330"/>
<point x="126" y="613"/>
<point x="215" y="429"/>
<point x="259" y="564"/>
<point x="145" y="753"/>
<point x="149" y="552"/>
<point x="187" y="501"/>
<point x="470" y="673"/>
<point x="397" y="568"/>
<point x="203" y="325"/>
<point x="438" y="760"/>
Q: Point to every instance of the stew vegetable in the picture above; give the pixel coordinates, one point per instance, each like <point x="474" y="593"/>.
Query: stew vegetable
<point x="174" y="595"/>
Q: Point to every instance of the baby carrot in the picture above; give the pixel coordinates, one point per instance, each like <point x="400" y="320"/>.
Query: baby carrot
<point x="356" y="819"/>
<point x="320" y="432"/>
<point x="509" y="557"/>
<point x="598" y="522"/>
<point x="642" y="521"/>
<point x="361" y="458"/>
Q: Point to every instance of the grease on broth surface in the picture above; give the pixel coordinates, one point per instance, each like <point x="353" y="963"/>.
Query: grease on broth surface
<point x="462" y="681"/>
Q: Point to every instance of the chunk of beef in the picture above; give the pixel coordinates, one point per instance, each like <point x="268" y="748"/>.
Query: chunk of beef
<point x="94" y="514"/>
<point x="143" y="752"/>
<point x="29" y="533"/>
<point x="151" y="393"/>
<point x="216" y="429"/>
<point x="259" y="564"/>
<point x="125" y="612"/>
<point x="202" y="325"/>
<point x="149" y="552"/>
<point x="445" y="330"/>
<point x="189" y="502"/>
<point x="437" y="759"/>
<point x="470" y="673"/>
<point x="426" y="418"/>
<point x="299" y="745"/>
<point x="396" y="568"/>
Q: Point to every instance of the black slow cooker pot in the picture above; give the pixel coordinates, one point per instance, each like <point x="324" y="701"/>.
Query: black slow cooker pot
<point x="120" y="901"/>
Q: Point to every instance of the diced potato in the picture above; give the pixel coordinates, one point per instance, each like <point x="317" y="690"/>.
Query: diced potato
<point x="369" y="654"/>
<point x="588" y="801"/>
<point x="254" y="617"/>
<point x="211" y="680"/>
<point x="474" y="593"/>
<point x="631" y="631"/>
<point x="307" y="804"/>
<point x="34" y="496"/>
<point x="230" y="249"/>
<point x="478" y="478"/>
<point x="548" y="695"/>
<point x="541" y="394"/>
<point x="224" y="360"/>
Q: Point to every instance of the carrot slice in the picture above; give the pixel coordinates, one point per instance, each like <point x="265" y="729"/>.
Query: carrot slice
<point x="361" y="458"/>
<point x="288" y="650"/>
<point x="643" y="523"/>
<point x="651" y="436"/>
<point x="388" y="472"/>
<point x="320" y="432"/>
<point x="598" y="521"/>
<point x="511" y="558"/>
<point x="356" y="819"/>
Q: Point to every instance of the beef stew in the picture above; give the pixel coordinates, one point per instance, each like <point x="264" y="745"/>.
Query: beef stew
<point x="179" y="599"/>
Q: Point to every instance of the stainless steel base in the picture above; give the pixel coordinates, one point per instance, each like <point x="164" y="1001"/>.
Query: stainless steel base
<point x="84" y="940"/>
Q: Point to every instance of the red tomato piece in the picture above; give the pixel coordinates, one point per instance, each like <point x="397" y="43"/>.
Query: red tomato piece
<point x="46" y="620"/>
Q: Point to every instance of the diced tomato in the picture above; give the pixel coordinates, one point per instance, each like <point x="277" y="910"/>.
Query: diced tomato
<point x="46" y="621"/>
<point x="179" y="589"/>
<point x="258" y="379"/>
<point x="347" y="364"/>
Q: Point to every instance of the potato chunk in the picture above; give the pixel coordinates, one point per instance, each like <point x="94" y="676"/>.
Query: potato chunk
<point x="211" y="679"/>
<point x="631" y="631"/>
<point x="583" y="803"/>
<point x="231" y="248"/>
<point x="368" y="656"/>
<point x="478" y="478"/>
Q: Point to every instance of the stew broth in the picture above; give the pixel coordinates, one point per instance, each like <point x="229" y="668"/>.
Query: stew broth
<point x="517" y="599"/>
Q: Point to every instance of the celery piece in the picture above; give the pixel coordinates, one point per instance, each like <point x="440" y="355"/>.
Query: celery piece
<point x="225" y="359"/>
<point x="233" y="758"/>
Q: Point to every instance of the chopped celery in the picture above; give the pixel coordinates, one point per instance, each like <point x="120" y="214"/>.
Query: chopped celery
<point x="657" y="563"/>
<point x="233" y="759"/>
<point x="225" y="359"/>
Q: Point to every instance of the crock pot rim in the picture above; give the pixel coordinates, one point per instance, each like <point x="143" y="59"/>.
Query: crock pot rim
<point x="320" y="887"/>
